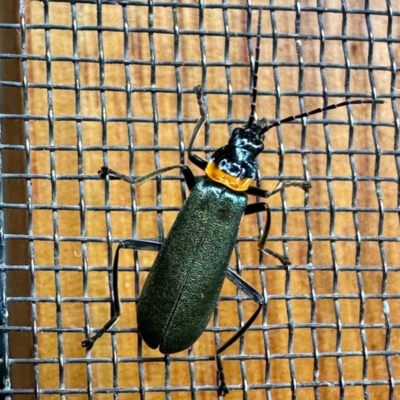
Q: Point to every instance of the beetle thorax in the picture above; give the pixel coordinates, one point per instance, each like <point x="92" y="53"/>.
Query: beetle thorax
<point x="234" y="165"/>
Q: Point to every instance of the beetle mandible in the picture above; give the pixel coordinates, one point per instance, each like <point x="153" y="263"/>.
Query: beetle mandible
<point x="183" y="286"/>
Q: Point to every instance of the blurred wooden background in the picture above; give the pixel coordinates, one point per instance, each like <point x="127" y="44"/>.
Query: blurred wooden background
<point x="72" y="241"/>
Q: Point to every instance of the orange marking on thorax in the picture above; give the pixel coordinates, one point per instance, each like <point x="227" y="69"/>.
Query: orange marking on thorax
<point x="215" y="174"/>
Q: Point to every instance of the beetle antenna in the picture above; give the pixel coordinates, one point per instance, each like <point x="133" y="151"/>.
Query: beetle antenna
<point x="255" y="64"/>
<point x="319" y="110"/>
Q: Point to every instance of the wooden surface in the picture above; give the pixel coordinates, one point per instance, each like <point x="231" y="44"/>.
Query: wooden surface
<point x="82" y="233"/>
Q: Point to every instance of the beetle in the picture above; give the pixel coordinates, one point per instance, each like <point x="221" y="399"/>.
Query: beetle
<point x="184" y="283"/>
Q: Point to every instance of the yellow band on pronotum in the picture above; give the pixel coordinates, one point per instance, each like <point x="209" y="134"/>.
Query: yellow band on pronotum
<point x="215" y="174"/>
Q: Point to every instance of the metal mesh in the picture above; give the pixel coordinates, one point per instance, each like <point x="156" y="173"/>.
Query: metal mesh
<point x="93" y="82"/>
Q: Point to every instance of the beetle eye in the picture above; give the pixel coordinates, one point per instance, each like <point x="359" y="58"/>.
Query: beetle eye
<point x="235" y="170"/>
<point x="223" y="164"/>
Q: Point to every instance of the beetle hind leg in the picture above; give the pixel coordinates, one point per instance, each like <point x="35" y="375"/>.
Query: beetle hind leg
<point x="133" y="244"/>
<point x="222" y="388"/>
<point x="258" y="298"/>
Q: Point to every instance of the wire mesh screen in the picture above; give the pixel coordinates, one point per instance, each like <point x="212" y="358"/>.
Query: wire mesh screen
<point x="110" y="82"/>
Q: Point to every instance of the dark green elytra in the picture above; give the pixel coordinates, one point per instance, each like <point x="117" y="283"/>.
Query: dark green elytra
<point x="182" y="289"/>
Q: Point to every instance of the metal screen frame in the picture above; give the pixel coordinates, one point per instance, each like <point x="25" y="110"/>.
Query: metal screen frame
<point x="19" y="264"/>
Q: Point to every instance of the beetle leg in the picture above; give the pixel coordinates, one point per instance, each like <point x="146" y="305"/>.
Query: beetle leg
<point x="256" y="191"/>
<point x="259" y="207"/>
<point x="305" y="185"/>
<point x="133" y="244"/>
<point x="195" y="159"/>
<point x="257" y="297"/>
<point x="187" y="173"/>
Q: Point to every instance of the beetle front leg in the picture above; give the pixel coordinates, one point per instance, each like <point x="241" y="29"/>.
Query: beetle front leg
<point x="256" y="191"/>
<point x="201" y="100"/>
<point x="133" y="244"/>
<point x="136" y="181"/>
<point x="259" y="207"/>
